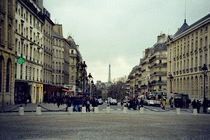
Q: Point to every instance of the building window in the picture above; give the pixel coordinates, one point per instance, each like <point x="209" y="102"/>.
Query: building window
<point x="159" y="87"/>
<point x="72" y="51"/>
<point x="26" y="72"/>
<point x="9" y="7"/>
<point x="201" y="60"/>
<point x="2" y="4"/>
<point x="72" y="78"/>
<point x="1" y="70"/>
<point x="8" y="75"/>
<point x="191" y="62"/>
<point x="1" y="31"/>
<point x="201" y="43"/>
<point x="72" y="69"/>
<point x="206" y="59"/>
<point x="15" y="70"/>
<point x="206" y="41"/>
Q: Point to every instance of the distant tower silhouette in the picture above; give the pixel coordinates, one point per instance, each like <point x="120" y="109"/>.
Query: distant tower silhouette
<point x="109" y="78"/>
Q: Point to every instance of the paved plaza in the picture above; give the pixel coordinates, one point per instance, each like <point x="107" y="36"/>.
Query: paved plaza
<point x="152" y="125"/>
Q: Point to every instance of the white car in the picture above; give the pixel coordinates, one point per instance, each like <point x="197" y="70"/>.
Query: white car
<point x="100" y="101"/>
<point x="113" y="102"/>
<point x="208" y="110"/>
<point x="150" y="102"/>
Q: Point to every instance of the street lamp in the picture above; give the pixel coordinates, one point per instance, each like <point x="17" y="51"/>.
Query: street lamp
<point x="204" y="69"/>
<point x="83" y="66"/>
<point x="90" y="81"/>
<point x="171" y="78"/>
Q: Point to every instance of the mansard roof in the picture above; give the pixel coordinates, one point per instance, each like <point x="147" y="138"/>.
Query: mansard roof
<point x="57" y="35"/>
<point x="185" y="27"/>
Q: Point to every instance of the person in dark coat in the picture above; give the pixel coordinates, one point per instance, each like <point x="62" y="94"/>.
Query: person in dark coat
<point x="198" y="106"/>
<point x="58" y="102"/>
<point x="75" y="104"/>
<point x="142" y="102"/>
<point x="68" y="103"/>
<point x="171" y="102"/>
<point x="94" y="103"/>
<point x="194" y="104"/>
<point x="87" y="104"/>
<point x="205" y="105"/>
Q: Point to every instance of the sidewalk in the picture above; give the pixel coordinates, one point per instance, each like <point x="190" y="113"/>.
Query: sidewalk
<point x="32" y="107"/>
<point x="50" y="108"/>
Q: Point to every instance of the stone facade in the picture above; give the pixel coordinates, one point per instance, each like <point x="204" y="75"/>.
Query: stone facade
<point x="60" y="59"/>
<point x="150" y="75"/>
<point x="48" y="48"/>
<point x="7" y="51"/>
<point x="29" y="46"/>
<point x="189" y="50"/>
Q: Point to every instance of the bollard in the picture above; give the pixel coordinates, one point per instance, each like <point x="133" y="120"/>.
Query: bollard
<point x="125" y="110"/>
<point x="108" y="109"/>
<point x="142" y="110"/>
<point x="21" y="111"/>
<point x="83" y="109"/>
<point x="177" y="111"/>
<point x="195" y="112"/>
<point x="38" y="111"/>
<point x="70" y="110"/>
<point x="95" y="110"/>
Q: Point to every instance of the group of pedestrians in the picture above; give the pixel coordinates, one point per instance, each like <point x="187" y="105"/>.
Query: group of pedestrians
<point x="135" y="103"/>
<point x="79" y="102"/>
<point x="197" y="105"/>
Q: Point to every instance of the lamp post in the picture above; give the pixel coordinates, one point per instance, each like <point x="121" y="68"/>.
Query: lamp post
<point x="90" y="81"/>
<point x="83" y="66"/>
<point x="204" y="69"/>
<point x="171" y="78"/>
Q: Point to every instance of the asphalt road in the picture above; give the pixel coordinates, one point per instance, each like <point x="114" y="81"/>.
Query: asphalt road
<point x="118" y="126"/>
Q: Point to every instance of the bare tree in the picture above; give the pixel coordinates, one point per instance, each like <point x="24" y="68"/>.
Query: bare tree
<point x="117" y="89"/>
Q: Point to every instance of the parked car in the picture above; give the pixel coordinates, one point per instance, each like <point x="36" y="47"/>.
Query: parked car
<point x="150" y="102"/>
<point x="113" y="102"/>
<point x="145" y="102"/>
<point x="208" y="110"/>
<point x="100" y="101"/>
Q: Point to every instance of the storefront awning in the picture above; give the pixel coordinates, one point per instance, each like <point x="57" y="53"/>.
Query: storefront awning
<point x="70" y="92"/>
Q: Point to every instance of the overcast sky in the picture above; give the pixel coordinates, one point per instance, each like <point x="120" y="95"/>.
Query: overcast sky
<point x="118" y="31"/>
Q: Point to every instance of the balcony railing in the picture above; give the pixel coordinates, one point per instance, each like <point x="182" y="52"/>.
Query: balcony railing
<point x="159" y="74"/>
<point x="191" y="69"/>
<point x="200" y="49"/>
<point x="205" y="48"/>
<point x="200" y="68"/>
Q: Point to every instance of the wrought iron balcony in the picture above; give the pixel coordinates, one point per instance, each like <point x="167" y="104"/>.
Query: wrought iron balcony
<point x="200" y="49"/>
<point x="191" y="69"/>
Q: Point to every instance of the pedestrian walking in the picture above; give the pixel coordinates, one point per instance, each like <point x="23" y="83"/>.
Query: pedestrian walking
<point x="94" y="103"/>
<point x="142" y="102"/>
<point x="25" y="99"/>
<point x="194" y="104"/>
<point x="198" y="106"/>
<point x="164" y="104"/>
<point x="87" y="104"/>
<point x="58" y="102"/>
<point x="68" y="103"/>
<point x="205" y="105"/>
<point x="171" y="102"/>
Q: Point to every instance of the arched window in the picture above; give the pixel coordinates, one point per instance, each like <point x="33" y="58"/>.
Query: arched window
<point x="1" y="71"/>
<point x="8" y="74"/>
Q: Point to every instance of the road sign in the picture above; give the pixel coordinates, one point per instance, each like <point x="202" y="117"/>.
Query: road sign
<point x="20" y="60"/>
